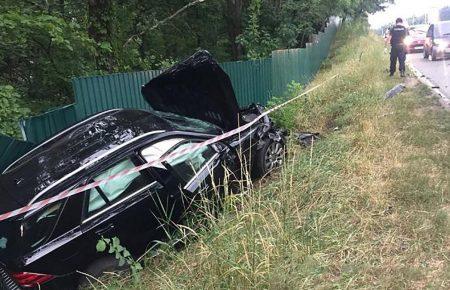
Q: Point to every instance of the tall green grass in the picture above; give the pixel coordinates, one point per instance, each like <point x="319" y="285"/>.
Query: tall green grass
<point x="367" y="206"/>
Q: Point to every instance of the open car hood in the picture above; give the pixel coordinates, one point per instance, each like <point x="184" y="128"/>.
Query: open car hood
<point x="197" y="88"/>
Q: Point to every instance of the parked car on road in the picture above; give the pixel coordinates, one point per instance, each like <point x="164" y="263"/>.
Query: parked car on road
<point x="437" y="43"/>
<point x="193" y="101"/>
<point x="415" y="41"/>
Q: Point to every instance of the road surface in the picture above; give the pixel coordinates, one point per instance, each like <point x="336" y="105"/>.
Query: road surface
<point x="438" y="72"/>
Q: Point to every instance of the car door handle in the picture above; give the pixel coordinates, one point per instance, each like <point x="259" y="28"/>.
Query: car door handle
<point x="104" y="230"/>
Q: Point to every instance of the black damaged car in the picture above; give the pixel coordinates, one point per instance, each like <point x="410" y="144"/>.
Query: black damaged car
<point x="193" y="101"/>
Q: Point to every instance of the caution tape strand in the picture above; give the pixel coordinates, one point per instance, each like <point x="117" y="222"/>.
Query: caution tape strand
<point x="83" y="188"/>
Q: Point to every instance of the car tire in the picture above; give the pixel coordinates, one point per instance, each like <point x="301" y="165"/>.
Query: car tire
<point x="268" y="158"/>
<point x="98" y="268"/>
<point x="433" y="55"/>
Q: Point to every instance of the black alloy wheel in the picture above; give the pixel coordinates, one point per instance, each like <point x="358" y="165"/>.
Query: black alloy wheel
<point x="274" y="156"/>
<point x="271" y="156"/>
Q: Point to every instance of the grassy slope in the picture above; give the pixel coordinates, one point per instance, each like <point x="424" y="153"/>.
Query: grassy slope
<point x="367" y="206"/>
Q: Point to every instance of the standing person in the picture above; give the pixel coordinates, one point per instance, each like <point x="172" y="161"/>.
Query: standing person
<point x="396" y="37"/>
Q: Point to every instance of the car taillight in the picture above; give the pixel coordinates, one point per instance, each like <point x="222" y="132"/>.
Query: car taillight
<point x="26" y="279"/>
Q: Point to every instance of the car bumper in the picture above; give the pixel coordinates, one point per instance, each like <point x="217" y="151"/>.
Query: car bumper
<point x="442" y="52"/>
<point x="415" y="47"/>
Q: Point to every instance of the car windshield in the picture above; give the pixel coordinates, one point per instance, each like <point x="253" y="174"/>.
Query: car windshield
<point x="442" y="29"/>
<point x="417" y="32"/>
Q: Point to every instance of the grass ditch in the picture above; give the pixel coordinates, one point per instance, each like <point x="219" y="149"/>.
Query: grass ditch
<point x="365" y="207"/>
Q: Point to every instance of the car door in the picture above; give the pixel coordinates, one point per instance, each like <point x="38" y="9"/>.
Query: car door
<point x="64" y="251"/>
<point x="185" y="178"/>
<point x="121" y="207"/>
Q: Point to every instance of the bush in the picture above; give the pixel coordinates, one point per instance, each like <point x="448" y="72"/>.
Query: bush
<point x="10" y="111"/>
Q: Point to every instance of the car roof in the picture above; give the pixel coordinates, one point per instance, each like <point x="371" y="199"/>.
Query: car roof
<point x="438" y="23"/>
<point x="83" y="143"/>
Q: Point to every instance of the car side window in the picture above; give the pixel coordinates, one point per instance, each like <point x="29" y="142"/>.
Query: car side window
<point x="116" y="189"/>
<point x="189" y="164"/>
<point x="158" y="149"/>
<point x="185" y="166"/>
<point x="37" y="228"/>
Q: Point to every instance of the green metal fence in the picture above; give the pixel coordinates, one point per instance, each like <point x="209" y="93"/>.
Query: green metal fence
<point x="99" y="93"/>
<point x="11" y="149"/>
<point x="38" y="128"/>
<point x="253" y="81"/>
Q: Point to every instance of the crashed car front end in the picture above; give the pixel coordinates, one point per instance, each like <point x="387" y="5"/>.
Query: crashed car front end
<point x="198" y="88"/>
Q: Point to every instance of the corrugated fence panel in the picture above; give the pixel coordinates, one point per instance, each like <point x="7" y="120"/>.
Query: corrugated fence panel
<point x="11" y="150"/>
<point x="288" y="65"/>
<point x="251" y="80"/>
<point x="100" y="93"/>
<point x="300" y="65"/>
<point x="39" y="128"/>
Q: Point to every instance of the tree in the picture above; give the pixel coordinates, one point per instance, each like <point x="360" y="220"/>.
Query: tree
<point x="234" y="17"/>
<point x="100" y="29"/>
<point x="257" y="41"/>
<point x="43" y="44"/>
<point x="39" y="53"/>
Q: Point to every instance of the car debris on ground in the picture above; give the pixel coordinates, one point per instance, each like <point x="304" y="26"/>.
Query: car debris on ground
<point x="307" y="138"/>
<point x="394" y="91"/>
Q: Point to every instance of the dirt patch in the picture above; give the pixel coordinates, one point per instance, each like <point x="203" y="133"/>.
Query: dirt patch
<point x="420" y="112"/>
<point x="411" y="82"/>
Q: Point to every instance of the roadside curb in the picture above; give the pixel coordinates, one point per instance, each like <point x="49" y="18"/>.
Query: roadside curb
<point x="444" y="100"/>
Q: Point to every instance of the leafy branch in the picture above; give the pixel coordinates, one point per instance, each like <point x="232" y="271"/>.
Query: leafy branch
<point x="121" y="253"/>
<point x="158" y="23"/>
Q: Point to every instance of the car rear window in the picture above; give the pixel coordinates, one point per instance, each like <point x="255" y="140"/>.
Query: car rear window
<point x="417" y="32"/>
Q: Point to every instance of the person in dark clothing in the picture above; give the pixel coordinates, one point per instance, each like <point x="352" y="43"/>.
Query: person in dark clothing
<point x="397" y="35"/>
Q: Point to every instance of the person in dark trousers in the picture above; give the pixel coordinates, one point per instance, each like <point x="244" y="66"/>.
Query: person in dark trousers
<point x="396" y="38"/>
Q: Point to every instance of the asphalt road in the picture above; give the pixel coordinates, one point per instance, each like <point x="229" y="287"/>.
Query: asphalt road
<point x="438" y="72"/>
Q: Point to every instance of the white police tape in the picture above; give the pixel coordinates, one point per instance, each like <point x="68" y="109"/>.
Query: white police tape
<point x="175" y="154"/>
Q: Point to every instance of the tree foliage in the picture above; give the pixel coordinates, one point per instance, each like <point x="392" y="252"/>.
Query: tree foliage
<point x="10" y="111"/>
<point x="40" y="52"/>
<point x="44" y="43"/>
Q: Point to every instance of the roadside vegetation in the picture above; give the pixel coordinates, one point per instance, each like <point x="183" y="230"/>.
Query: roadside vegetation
<point x="366" y="206"/>
<point x="44" y="44"/>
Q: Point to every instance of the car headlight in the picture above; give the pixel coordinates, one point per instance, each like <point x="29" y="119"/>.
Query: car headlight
<point x="408" y="40"/>
<point x="440" y="42"/>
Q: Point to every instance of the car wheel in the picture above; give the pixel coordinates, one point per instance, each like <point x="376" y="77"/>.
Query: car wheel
<point x="268" y="158"/>
<point x="433" y="55"/>
<point x="97" y="269"/>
